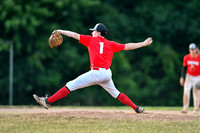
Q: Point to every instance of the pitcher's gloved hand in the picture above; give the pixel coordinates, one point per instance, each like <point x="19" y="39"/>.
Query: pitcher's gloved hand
<point x="55" y="39"/>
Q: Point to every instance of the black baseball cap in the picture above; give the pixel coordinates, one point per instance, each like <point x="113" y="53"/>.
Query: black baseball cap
<point x="192" y="46"/>
<point x="100" y="27"/>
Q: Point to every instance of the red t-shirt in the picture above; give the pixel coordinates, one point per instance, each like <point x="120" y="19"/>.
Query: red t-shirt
<point x="100" y="50"/>
<point x="193" y="64"/>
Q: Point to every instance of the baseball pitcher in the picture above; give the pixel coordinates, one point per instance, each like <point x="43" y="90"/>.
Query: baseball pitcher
<point x="101" y="53"/>
<point x="191" y="73"/>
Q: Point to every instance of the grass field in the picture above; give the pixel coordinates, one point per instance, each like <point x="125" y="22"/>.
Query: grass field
<point x="96" y="120"/>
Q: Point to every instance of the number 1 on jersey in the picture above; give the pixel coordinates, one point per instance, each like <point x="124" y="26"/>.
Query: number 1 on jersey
<point x="101" y="47"/>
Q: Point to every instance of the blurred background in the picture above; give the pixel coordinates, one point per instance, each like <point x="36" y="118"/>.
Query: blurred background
<point x="149" y="75"/>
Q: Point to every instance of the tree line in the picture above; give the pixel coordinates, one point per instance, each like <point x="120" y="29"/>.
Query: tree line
<point x="149" y="75"/>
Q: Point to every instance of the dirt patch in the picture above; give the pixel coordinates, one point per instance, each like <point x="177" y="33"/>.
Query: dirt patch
<point x="102" y="114"/>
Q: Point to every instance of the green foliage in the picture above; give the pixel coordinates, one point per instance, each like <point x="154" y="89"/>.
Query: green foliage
<point x="149" y="75"/>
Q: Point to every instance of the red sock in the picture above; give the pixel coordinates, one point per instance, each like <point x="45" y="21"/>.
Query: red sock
<point x="63" y="92"/>
<point x="125" y="100"/>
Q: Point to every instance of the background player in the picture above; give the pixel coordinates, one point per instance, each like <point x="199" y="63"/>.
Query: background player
<point x="191" y="68"/>
<point x="101" y="53"/>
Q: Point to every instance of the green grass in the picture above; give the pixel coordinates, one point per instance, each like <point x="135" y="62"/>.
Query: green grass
<point x="20" y="123"/>
<point x="56" y="124"/>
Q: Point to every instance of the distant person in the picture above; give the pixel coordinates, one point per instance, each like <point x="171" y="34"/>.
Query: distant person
<point x="101" y="53"/>
<point x="190" y="76"/>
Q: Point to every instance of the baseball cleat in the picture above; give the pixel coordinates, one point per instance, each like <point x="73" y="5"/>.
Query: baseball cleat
<point x="139" y="110"/>
<point x="195" y="111"/>
<point x="184" y="112"/>
<point x="42" y="101"/>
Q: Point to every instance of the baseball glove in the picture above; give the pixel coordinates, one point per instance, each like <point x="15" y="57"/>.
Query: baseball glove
<point x="55" y="39"/>
<point x="197" y="86"/>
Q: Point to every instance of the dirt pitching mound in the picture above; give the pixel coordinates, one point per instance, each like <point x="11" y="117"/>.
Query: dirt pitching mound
<point x="101" y="114"/>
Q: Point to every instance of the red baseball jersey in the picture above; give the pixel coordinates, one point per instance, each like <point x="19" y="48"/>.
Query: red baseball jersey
<point x="100" y="50"/>
<point x="193" y="64"/>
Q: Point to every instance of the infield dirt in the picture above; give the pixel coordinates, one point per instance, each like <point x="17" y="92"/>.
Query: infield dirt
<point x="101" y="114"/>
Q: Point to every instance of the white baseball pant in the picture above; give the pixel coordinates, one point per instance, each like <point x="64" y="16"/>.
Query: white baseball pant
<point x="190" y="82"/>
<point x="102" y="77"/>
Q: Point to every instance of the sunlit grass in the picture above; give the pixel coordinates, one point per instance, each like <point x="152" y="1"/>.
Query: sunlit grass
<point x="59" y="124"/>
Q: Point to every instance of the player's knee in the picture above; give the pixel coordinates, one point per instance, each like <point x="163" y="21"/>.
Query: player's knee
<point x="115" y="95"/>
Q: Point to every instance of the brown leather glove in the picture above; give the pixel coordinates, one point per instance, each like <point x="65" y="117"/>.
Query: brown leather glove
<point x="55" y="39"/>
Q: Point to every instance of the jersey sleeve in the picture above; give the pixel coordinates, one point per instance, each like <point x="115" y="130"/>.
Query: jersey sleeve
<point x="118" y="47"/>
<point x="185" y="61"/>
<point x="84" y="39"/>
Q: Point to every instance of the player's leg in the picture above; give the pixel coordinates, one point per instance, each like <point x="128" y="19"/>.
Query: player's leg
<point x="89" y="78"/>
<point x="63" y="92"/>
<point x="186" y="93"/>
<point x="196" y="96"/>
<point x="111" y="89"/>
<point x="46" y="102"/>
<point x="84" y="80"/>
